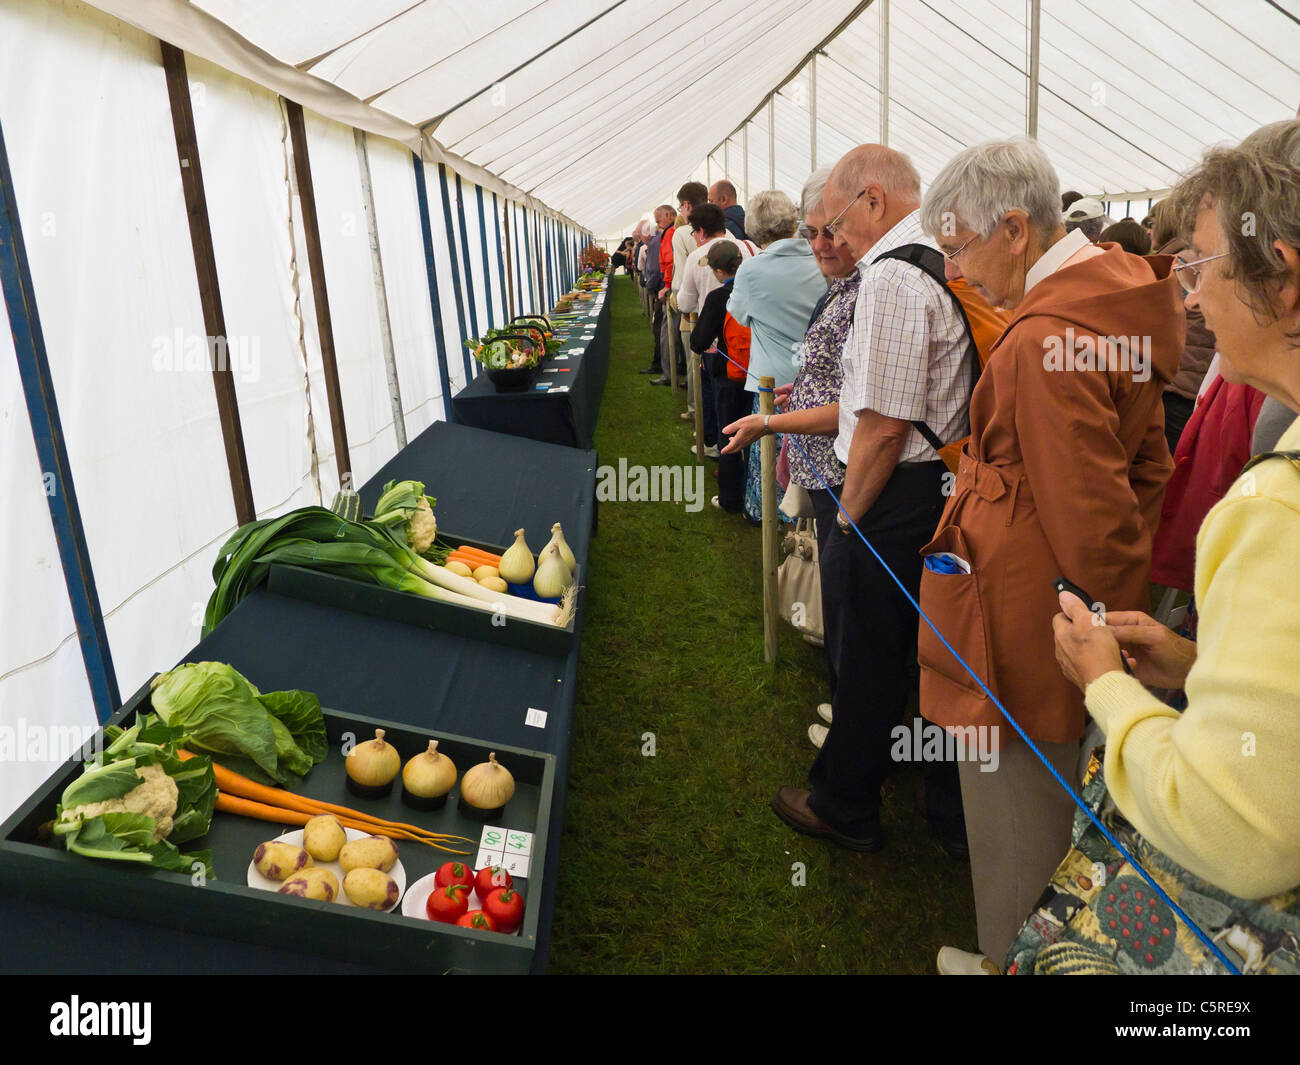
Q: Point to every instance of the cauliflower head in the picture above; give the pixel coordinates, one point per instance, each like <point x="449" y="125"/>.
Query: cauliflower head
<point x="155" y="796"/>
<point x="423" y="528"/>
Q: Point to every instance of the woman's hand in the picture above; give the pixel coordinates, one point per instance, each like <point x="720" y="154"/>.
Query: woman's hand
<point x="781" y="397"/>
<point x="743" y="433"/>
<point x="1159" y="657"/>
<point x="1085" y="646"/>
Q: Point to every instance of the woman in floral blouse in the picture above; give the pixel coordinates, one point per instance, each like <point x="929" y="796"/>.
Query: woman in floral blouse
<point x="811" y="411"/>
<point x="811" y="408"/>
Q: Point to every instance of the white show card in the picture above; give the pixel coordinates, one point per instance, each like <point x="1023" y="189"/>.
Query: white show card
<point x="506" y="847"/>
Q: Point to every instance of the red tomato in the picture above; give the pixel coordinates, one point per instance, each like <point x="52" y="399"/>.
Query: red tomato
<point x="454" y="873"/>
<point x="477" y="919"/>
<point x="490" y="878"/>
<point x="506" y="907"/>
<point x="447" y="904"/>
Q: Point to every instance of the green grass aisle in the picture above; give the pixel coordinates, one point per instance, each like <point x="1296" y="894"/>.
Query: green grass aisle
<point x="673" y="862"/>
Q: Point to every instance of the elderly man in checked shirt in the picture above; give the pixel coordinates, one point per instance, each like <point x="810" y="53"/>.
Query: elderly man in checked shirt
<point x="905" y="361"/>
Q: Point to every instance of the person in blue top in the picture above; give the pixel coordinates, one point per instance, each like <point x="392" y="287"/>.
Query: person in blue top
<point x="774" y="294"/>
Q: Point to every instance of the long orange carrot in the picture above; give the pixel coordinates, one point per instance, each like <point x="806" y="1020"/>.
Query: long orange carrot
<point x="235" y="784"/>
<point x="233" y="804"/>
<point x="489" y="559"/>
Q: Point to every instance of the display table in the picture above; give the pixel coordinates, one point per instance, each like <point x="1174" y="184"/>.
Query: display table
<point x="562" y="405"/>
<point x="377" y="668"/>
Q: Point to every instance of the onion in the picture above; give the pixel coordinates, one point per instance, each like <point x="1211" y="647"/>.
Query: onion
<point x="371" y="766"/>
<point x="427" y="778"/>
<point x="557" y="539"/>
<point x="487" y="787"/>
<point x="517" y="563"/>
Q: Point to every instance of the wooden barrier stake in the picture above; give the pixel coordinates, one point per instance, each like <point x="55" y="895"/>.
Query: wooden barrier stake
<point x="699" y="408"/>
<point x="674" y="346"/>
<point x="767" y="456"/>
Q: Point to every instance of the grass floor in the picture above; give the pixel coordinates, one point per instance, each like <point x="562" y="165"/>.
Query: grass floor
<point x="674" y="862"/>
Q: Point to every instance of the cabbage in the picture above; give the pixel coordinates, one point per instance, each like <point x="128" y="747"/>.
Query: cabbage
<point x="270" y="738"/>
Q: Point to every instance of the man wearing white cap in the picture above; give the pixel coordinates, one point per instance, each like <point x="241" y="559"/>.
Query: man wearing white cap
<point x="1087" y="215"/>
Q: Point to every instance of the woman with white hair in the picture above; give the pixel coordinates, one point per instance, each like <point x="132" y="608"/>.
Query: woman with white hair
<point x="774" y="293"/>
<point x="1063" y="475"/>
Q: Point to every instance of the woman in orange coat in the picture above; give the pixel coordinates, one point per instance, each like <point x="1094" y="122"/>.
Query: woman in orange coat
<point x="1063" y="475"/>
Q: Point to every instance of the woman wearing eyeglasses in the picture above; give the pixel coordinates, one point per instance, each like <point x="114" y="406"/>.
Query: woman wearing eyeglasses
<point x="1062" y="476"/>
<point x="1214" y="788"/>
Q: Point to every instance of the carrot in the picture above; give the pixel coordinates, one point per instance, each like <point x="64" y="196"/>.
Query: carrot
<point x="234" y="804"/>
<point x="487" y="556"/>
<point x="234" y="784"/>
<point x="472" y="561"/>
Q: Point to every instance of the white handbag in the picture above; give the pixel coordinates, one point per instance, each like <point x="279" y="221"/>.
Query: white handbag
<point x="798" y="580"/>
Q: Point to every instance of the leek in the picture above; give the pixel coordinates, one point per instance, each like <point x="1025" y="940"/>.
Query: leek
<point x="319" y="539"/>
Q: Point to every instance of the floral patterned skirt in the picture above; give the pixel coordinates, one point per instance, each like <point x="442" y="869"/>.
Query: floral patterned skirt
<point x="754" y="479"/>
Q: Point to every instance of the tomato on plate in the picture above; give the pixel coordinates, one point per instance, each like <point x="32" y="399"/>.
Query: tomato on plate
<point x="447" y="904"/>
<point x="506" y="907"/>
<point x="454" y="873"/>
<point x="491" y="877"/>
<point x="477" y="919"/>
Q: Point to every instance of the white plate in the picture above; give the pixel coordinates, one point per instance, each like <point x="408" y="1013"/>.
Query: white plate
<point x="294" y="838"/>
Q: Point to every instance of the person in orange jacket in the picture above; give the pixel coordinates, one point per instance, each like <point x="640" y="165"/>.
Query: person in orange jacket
<point x="1063" y="475"/>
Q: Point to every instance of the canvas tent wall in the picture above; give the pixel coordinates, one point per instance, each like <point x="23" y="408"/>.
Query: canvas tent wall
<point x="90" y="138"/>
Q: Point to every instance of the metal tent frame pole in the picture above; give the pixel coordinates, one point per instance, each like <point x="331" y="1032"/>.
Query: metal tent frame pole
<point x="455" y="269"/>
<point x="431" y="269"/>
<point x="1031" y="110"/>
<point x="51" y="450"/>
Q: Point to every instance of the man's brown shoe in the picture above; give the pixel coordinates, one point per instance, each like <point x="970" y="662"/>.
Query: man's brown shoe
<point x="791" y="806"/>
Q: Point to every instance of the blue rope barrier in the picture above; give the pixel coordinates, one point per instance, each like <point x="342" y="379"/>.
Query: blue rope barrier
<point x="1195" y="928"/>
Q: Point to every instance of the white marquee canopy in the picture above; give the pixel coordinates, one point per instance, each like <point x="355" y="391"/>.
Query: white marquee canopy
<point x="600" y="108"/>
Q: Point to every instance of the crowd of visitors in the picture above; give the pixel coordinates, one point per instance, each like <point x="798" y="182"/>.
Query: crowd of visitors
<point x="992" y="397"/>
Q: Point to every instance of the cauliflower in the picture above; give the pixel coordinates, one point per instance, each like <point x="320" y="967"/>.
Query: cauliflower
<point x="424" y="527"/>
<point x="156" y="796"/>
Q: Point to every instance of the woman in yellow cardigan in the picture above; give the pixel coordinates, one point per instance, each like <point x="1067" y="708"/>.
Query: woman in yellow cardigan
<point x="1215" y="788"/>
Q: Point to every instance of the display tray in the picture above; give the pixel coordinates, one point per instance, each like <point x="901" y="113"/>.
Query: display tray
<point x="327" y="589"/>
<point x="227" y="908"/>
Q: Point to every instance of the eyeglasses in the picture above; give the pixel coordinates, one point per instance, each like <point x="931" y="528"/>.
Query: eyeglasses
<point x="811" y="233"/>
<point x="832" y="227"/>
<point x="1189" y="274"/>
<point x="951" y="256"/>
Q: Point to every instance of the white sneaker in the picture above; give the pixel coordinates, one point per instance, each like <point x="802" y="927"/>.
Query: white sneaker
<point x="710" y="451"/>
<point x="824" y="711"/>
<point x="954" y="962"/>
<point x="688" y="415"/>
<point x="715" y="502"/>
<point x="817" y="733"/>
